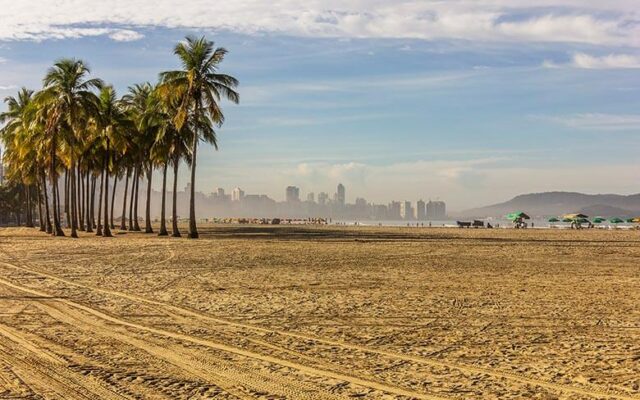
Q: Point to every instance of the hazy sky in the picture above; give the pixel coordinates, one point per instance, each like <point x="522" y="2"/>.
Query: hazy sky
<point x="471" y="102"/>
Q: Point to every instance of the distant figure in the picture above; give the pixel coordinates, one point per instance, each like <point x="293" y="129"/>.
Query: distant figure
<point x="532" y="225"/>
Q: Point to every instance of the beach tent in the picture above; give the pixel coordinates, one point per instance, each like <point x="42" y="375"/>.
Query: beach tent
<point x="554" y="219"/>
<point x="616" y="220"/>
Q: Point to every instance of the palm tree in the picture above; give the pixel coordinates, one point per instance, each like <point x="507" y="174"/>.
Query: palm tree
<point x="198" y="89"/>
<point x="67" y="103"/>
<point x="110" y="122"/>
<point x="136" y="102"/>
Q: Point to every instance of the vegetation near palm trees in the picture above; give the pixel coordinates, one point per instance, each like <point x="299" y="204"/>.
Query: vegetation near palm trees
<point x="76" y="133"/>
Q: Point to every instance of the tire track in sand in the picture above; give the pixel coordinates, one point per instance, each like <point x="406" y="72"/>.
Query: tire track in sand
<point x="591" y="391"/>
<point x="229" y="349"/>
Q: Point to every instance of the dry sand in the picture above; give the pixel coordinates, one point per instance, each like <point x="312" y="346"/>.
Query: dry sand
<point x="321" y="313"/>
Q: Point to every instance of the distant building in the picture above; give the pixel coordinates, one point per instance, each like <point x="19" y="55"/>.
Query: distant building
<point x="393" y="212"/>
<point x="323" y="198"/>
<point x="340" y="196"/>
<point x="237" y="194"/>
<point x="380" y="212"/>
<point x="292" y="194"/>
<point x="436" y="211"/>
<point x="219" y="192"/>
<point x="311" y="197"/>
<point x="406" y="211"/>
<point x="421" y="210"/>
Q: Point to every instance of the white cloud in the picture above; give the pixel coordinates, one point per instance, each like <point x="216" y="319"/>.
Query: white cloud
<point x="125" y="35"/>
<point x="8" y="87"/>
<point x="492" y="20"/>
<point x="610" y="61"/>
<point x="599" y="121"/>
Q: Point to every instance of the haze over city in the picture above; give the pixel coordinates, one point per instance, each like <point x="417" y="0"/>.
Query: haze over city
<point x="471" y="103"/>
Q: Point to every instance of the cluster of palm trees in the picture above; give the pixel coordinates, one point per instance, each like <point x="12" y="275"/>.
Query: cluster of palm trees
<point x="76" y="129"/>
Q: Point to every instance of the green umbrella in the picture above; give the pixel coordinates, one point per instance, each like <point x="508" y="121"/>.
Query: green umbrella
<point x="567" y="220"/>
<point x="616" y="220"/>
<point x="599" y="220"/>
<point x="517" y="215"/>
<point x="554" y="219"/>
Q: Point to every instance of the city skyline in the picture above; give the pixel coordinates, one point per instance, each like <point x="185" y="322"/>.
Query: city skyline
<point x="238" y="203"/>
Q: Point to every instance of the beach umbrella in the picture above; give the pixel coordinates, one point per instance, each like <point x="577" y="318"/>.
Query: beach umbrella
<point x="599" y="220"/>
<point x="567" y="220"/>
<point x="616" y="220"/>
<point x="517" y="215"/>
<point x="554" y="219"/>
<point x="574" y="216"/>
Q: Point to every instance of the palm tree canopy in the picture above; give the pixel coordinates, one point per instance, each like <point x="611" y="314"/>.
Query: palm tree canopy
<point x="199" y="85"/>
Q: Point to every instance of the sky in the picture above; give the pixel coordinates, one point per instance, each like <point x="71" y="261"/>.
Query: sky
<point x="470" y="102"/>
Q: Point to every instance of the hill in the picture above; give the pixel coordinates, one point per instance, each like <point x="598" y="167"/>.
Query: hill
<point x="556" y="203"/>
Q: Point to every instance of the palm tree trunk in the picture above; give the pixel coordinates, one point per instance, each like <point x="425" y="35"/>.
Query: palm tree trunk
<point x="123" y="220"/>
<point x="93" y="201"/>
<point x="80" y="198"/>
<point x="57" y="230"/>
<point x="74" y="201"/>
<point x="87" y="203"/>
<point x="99" y="227"/>
<point x="29" y="222"/>
<point x="193" y="229"/>
<point x="67" y="210"/>
<point x="49" y="227"/>
<point x="147" y="215"/>
<point x="40" y="216"/>
<point x="106" y="230"/>
<point x="174" y="213"/>
<point x="163" y="222"/>
<point x="133" y="194"/>
<point x="113" y="200"/>
<point x="136" y="224"/>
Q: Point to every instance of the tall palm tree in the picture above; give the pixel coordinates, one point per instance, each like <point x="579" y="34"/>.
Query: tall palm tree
<point x="136" y="103"/>
<point x="111" y="121"/>
<point x="198" y="89"/>
<point x="68" y="103"/>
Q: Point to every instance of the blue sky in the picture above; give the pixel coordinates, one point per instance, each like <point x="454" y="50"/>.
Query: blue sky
<point x="469" y="102"/>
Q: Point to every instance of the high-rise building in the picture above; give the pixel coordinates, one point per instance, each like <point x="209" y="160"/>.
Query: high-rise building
<point x="293" y="194"/>
<point x="393" y="212"/>
<point x="421" y="210"/>
<point x="406" y="211"/>
<point x="237" y="194"/>
<point x="436" y="211"/>
<point x="323" y="197"/>
<point x="340" y="196"/>
<point x="311" y="197"/>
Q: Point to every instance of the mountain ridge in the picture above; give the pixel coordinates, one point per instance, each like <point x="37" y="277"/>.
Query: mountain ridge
<point x="559" y="202"/>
